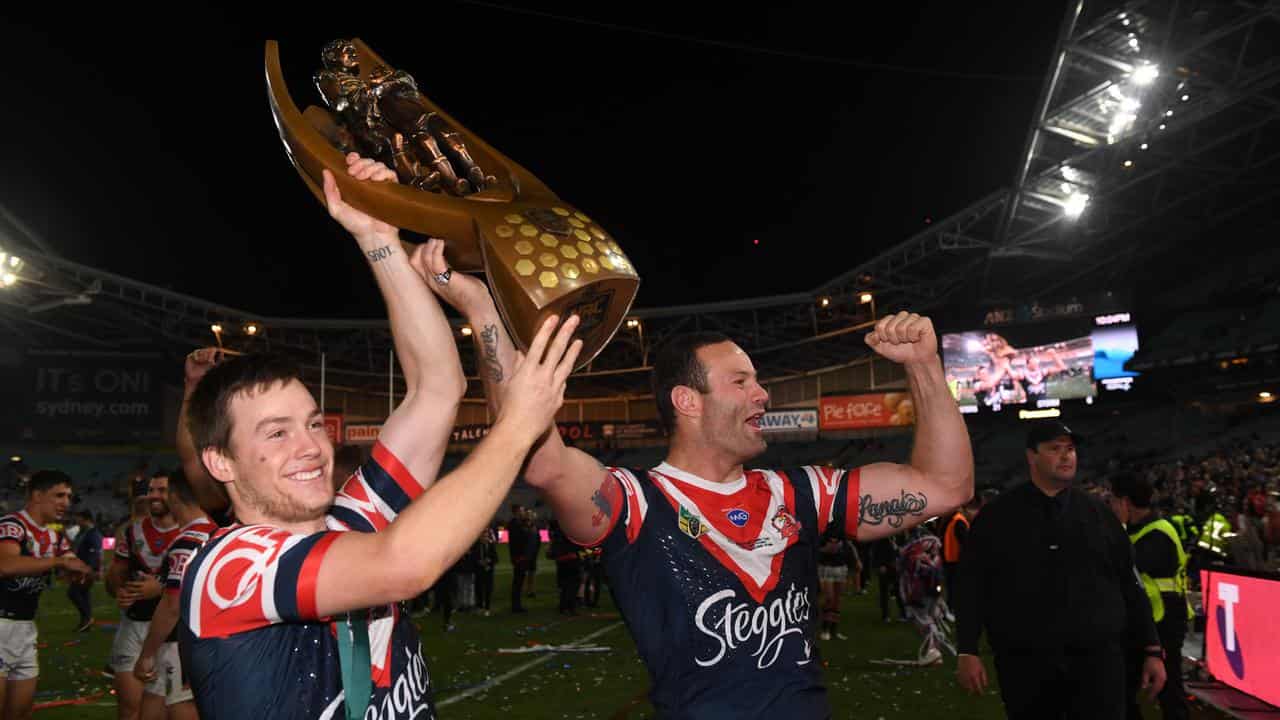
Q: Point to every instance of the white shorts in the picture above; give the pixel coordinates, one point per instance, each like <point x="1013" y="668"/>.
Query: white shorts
<point x="833" y="573"/>
<point x="18" y="659"/>
<point x="169" y="676"/>
<point x="128" y="645"/>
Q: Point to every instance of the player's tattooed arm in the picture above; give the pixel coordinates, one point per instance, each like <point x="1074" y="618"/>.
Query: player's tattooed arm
<point x="600" y="499"/>
<point x="489" y="349"/>
<point x="892" y="511"/>
<point x="380" y="253"/>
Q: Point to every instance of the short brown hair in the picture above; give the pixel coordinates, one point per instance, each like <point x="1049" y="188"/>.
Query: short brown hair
<point x="677" y="364"/>
<point x="209" y="410"/>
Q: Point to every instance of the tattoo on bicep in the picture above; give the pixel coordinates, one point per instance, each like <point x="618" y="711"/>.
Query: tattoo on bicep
<point x="893" y="510"/>
<point x="604" y="506"/>
<point x="489" y="343"/>
<point x="380" y="254"/>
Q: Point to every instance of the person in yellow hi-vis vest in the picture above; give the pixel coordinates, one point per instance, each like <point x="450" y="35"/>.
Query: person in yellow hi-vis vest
<point x="1162" y="566"/>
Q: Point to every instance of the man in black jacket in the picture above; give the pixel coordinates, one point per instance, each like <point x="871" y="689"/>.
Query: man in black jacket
<point x="1048" y="572"/>
<point x="518" y="544"/>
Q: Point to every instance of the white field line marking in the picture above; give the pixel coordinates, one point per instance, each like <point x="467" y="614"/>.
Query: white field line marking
<point x="490" y="684"/>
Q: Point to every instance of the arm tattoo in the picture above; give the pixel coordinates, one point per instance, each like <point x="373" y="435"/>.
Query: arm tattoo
<point x="604" y="508"/>
<point x="379" y="254"/>
<point x="489" y="341"/>
<point x="892" y="510"/>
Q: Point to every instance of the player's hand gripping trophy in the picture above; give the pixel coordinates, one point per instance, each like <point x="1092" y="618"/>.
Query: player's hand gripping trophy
<point x="540" y="255"/>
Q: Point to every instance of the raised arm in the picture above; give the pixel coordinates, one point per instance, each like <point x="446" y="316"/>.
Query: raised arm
<point x="367" y="569"/>
<point x="581" y="493"/>
<point x="418" y="431"/>
<point x="939" y="476"/>
<point x="210" y="493"/>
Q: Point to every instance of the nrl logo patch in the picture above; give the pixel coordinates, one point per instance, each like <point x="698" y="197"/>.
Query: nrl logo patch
<point x="691" y="524"/>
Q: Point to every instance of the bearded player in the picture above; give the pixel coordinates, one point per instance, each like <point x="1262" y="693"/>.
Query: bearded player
<point x="134" y="579"/>
<point x="713" y="566"/>
<point x="294" y="613"/>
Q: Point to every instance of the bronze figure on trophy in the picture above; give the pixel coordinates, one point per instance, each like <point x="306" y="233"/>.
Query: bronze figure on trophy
<point x="540" y="255"/>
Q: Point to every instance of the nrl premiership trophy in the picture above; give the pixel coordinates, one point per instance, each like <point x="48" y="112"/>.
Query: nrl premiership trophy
<point x="541" y="255"/>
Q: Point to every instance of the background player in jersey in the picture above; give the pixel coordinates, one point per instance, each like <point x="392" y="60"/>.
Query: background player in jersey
<point x="713" y="567"/>
<point x="134" y="579"/>
<point x="29" y="553"/>
<point x="165" y="690"/>
<point x="263" y="603"/>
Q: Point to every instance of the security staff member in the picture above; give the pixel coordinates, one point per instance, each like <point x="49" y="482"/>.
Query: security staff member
<point x="953" y="539"/>
<point x="1048" y="572"/>
<point x="1162" y="565"/>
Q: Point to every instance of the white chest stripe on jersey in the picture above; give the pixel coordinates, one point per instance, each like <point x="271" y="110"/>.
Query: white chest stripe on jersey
<point x="635" y="496"/>
<point x="758" y="562"/>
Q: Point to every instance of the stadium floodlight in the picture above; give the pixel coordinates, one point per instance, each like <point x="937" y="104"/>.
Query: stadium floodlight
<point x="251" y="329"/>
<point x="865" y="298"/>
<point x="15" y="458"/>
<point x="1074" y="205"/>
<point x="824" y="302"/>
<point x="1128" y="163"/>
<point x="466" y="331"/>
<point x="1168" y="113"/>
<point x="1145" y="74"/>
<point x="1186" y="98"/>
<point x="1133" y="43"/>
<point x="8" y="280"/>
<point x="1070" y="174"/>
<point x="1265" y="396"/>
<point x="1143" y="146"/>
<point x="216" y="328"/>
<point x="633" y="323"/>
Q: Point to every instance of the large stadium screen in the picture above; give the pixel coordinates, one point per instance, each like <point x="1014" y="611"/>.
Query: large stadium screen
<point x="1039" y="366"/>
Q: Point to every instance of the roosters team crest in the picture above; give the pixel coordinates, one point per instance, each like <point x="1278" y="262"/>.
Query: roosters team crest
<point x="785" y="523"/>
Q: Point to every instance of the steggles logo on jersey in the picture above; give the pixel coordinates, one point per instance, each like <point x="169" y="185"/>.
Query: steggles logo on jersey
<point x="691" y="524"/>
<point x="785" y="523"/>
<point x="763" y="629"/>
<point x="739" y="517"/>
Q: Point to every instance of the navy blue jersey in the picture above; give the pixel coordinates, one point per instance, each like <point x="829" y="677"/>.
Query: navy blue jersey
<point x="20" y="595"/>
<point x="718" y="584"/>
<point x="253" y="644"/>
<point x="142" y="549"/>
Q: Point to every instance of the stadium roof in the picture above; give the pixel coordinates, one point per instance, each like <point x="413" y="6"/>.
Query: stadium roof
<point x="1155" y="129"/>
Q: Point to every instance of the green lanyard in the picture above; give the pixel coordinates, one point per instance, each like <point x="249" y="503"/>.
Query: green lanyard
<point x="357" y="668"/>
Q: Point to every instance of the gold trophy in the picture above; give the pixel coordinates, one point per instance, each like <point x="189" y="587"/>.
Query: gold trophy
<point x="541" y="255"/>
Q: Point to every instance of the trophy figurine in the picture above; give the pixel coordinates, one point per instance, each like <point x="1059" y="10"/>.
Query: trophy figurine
<point x="540" y="255"/>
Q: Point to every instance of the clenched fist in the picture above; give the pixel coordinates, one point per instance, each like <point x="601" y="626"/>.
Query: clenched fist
<point x="904" y="338"/>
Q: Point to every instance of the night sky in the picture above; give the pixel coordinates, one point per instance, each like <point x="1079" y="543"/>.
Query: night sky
<point x="144" y="144"/>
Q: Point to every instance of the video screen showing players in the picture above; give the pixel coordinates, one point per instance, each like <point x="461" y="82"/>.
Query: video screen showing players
<point x="987" y="370"/>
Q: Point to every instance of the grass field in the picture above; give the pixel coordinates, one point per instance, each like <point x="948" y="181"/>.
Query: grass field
<point x="473" y="682"/>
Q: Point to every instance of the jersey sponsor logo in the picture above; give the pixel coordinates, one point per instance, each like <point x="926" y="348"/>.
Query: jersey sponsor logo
<point x="785" y="523"/>
<point x="739" y="517"/>
<point x="406" y="698"/>
<point x="762" y="629"/>
<point x="9" y="531"/>
<point x="690" y="524"/>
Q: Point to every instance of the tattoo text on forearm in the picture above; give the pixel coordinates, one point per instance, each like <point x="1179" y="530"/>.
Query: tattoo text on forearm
<point x="380" y="254"/>
<point x="489" y="342"/>
<point x="893" y="510"/>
